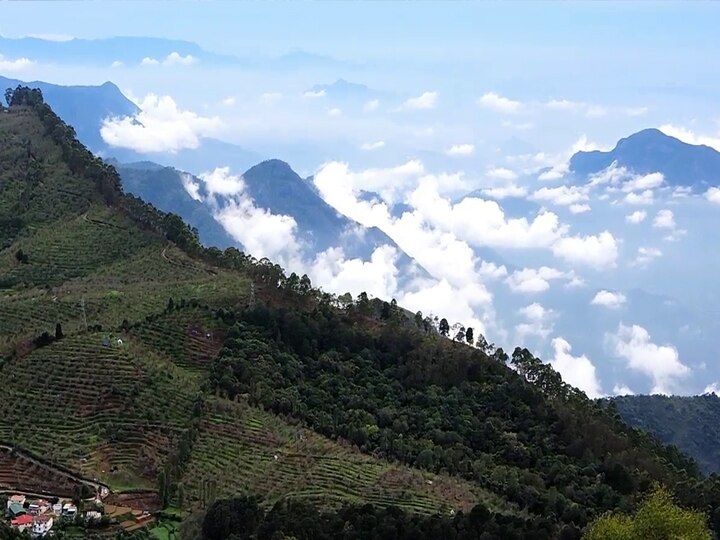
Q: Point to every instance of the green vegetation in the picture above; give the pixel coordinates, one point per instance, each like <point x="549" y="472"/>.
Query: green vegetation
<point x="658" y="518"/>
<point x="205" y="374"/>
<point x="688" y="422"/>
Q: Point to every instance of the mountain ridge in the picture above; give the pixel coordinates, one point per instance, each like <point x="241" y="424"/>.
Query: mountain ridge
<point x="650" y="150"/>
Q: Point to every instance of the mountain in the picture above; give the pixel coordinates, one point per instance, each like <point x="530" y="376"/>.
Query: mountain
<point x="86" y="107"/>
<point x="273" y="186"/>
<point x="688" y="422"/>
<point x="83" y="107"/>
<point x="137" y="357"/>
<point x="211" y="153"/>
<point x="651" y="151"/>
<point x="163" y="188"/>
<point x="105" y="51"/>
<point x="121" y="51"/>
<point x="342" y="90"/>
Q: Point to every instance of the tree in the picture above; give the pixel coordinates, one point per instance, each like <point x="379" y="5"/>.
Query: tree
<point x="469" y="335"/>
<point x="658" y="517"/>
<point x="460" y="336"/>
<point x="58" y="331"/>
<point x="8" y="96"/>
<point x="385" y="311"/>
<point x="484" y="346"/>
<point x="21" y="256"/>
<point x="170" y="304"/>
<point x="162" y="482"/>
<point x="444" y="327"/>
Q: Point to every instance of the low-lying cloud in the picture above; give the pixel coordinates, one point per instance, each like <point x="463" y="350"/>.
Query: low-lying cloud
<point x="160" y="126"/>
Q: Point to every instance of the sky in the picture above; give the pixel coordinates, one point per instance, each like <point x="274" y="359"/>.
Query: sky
<point x="456" y="97"/>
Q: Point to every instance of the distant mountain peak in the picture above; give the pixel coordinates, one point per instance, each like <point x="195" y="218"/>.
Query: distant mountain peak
<point x="273" y="169"/>
<point x="651" y="150"/>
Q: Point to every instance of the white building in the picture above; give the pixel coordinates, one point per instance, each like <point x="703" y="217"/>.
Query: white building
<point x="41" y="525"/>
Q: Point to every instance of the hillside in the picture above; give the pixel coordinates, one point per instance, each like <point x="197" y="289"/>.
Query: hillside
<point x="690" y="423"/>
<point x="133" y="355"/>
<point x="83" y="107"/>
<point x="122" y="388"/>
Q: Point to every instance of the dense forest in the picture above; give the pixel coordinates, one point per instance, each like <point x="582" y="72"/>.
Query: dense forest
<point x="404" y="393"/>
<point x="688" y="422"/>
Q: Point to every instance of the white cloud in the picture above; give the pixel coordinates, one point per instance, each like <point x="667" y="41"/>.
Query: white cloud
<point x="377" y="276"/>
<point x="461" y="150"/>
<point x="335" y="111"/>
<point x="560" y="164"/>
<point x="579" y="208"/>
<point x="504" y="192"/>
<point x="564" y="105"/>
<point x="221" y="182"/>
<point x="644" y="182"/>
<point x="638" y="216"/>
<point x="229" y="101"/>
<point x="314" y="94"/>
<point x="117" y="64"/>
<point x="12" y="66"/>
<point x="371" y="105"/>
<point x="646" y="255"/>
<point x="426" y="100"/>
<point x="609" y="299"/>
<point x="191" y="186"/>
<point x="147" y="62"/>
<point x="622" y="390"/>
<point x="372" y="145"/>
<point x="532" y="280"/>
<point x="160" y="126"/>
<point x="535" y="312"/>
<point x="712" y="388"/>
<point x="501" y="173"/>
<point x="599" y="251"/>
<point x="262" y="233"/>
<point x="176" y="59"/>
<point x="713" y="195"/>
<point x="690" y="137"/>
<point x="681" y="192"/>
<point x="561" y="195"/>
<point x="661" y="363"/>
<point x="640" y="199"/>
<point x="493" y="101"/>
<point x="577" y="371"/>
<point x="613" y="174"/>
<point x="665" y="219"/>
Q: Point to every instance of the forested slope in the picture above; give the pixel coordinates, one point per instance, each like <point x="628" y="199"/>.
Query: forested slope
<point x="688" y="422"/>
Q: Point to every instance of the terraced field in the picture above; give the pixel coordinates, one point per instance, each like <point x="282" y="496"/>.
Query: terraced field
<point x="243" y="449"/>
<point x="98" y="409"/>
<point x="18" y="472"/>
<point x="190" y="337"/>
<point x="80" y="247"/>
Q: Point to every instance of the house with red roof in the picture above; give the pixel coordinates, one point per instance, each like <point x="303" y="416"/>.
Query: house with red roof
<point x="22" y="522"/>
